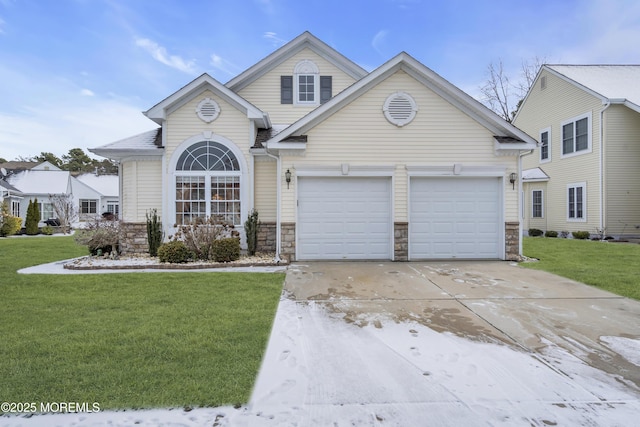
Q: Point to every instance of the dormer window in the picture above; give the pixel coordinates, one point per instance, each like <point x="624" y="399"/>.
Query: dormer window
<point x="306" y="86"/>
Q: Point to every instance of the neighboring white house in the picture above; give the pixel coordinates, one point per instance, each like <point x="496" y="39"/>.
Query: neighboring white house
<point x="396" y="164"/>
<point x="88" y="186"/>
<point x="585" y="175"/>
<point x="39" y="181"/>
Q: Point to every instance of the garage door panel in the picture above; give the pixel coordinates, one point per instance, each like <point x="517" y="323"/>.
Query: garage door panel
<point x="454" y="218"/>
<point x="344" y="218"/>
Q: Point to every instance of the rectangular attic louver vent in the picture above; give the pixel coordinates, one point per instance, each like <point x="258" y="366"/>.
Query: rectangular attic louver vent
<point x="400" y="108"/>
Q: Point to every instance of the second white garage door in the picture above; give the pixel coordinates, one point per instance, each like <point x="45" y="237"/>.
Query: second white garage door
<point x="344" y="218"/>
<point x="455" y="218"/>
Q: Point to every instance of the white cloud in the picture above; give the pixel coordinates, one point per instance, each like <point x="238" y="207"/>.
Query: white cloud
<point x="2" y="22"/>
<point x="160" y="54"/>
<point x="223" y="65"/>
<point x="273" y="37"/>
<point x="86" y="92"/>
<point x="379" y="40"/>
<point x="73" y="122"/>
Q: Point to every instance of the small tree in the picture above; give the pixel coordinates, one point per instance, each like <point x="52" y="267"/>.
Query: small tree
<point x="64" y="209"/>
<point x="154" y="232"/>
<point x="33" y="218"/>
<point x="251" y="229"/>
<point x="200" y="235"/>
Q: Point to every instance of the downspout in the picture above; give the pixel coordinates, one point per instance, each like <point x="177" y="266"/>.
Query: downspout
<point x="606" y="105"/>
<point x="521" y="199"/>
<point x="278" y="197"/>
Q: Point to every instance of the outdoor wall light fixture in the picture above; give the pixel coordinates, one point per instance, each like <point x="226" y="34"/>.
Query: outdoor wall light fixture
<point x="512" y="180"/>
<point x="287" y="177"/>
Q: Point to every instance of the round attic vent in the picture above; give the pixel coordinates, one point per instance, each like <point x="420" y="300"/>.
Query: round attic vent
<point x="400" y="108"/>
<point x="208" y="110"/>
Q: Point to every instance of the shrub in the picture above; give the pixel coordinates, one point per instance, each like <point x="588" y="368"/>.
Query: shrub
<point x="9" y="224"/>
<point x="47" y="230"/>
<point x="199" y="236"/>
<point x="226" y="250"/>
<point x="564" y="234"/>
<point x="534" y="232"/>
<point x="175" y="252"/>
<point x="100" y="235"/>
<point x="251" y="230"/>
<point x="550" y="233"/>
<point x="154" y="232"/>
<point x="33" y="218"/>
<point x="580" y="235"/>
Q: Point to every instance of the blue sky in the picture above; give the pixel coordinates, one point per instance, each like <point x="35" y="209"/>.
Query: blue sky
<point x="78" y="73"/>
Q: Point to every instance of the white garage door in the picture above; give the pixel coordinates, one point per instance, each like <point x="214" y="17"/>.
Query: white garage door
<point x="455" y="218"/>
<point x="344" y="218"/>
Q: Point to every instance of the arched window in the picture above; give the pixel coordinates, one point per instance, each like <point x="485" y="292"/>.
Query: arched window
<point x="207" y="183"/>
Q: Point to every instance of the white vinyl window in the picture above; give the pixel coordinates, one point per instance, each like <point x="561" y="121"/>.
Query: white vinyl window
<point x="207" y="183"/>
<point x="88" y="206"/>
<point x="46" y="211"/>
<point x="577" y="202"/>
<point x="306" y="83"/>
<point x="545" y="145"/>
<point x="15" y="208"/>
<point x="576" y="135"/>
<point x="536" y="204"/>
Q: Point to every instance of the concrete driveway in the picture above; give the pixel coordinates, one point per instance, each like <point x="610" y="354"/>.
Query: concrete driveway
<point x="447" y="343"/>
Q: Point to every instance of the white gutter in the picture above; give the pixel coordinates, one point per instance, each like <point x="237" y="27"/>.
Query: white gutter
<point x="278" y="197"/>
<point x="606" y="105"/>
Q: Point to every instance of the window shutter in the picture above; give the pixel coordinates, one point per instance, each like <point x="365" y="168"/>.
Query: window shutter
<point x="325" y="88"/>
<point x="286" y="89"/>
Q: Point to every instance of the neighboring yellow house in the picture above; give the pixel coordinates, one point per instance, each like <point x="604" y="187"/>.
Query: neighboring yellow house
<point x="585" y="175"/>
<point x="396" y="164"/>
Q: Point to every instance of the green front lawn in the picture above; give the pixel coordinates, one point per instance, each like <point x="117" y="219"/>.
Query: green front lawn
<point x="613" y="267"/>
<point x="135" y="340"/>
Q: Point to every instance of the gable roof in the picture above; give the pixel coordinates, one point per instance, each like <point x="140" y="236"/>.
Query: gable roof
<point x="304" y="40"/>
<point x="106" y="185"/>
<point x="534" y="175"/>
<point x="618" y="84"/>
<point x="158" y="113"/>
<point x="511" y="136"/>
<point x="41" y="181"/>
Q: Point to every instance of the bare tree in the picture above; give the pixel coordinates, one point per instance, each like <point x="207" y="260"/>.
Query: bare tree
<point x="64" y="209"/>
<point x="503" y="95"/>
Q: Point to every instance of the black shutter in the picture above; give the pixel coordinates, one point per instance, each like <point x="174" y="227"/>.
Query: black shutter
<point x="286" y="89"/>
<point x="325" y="89"/>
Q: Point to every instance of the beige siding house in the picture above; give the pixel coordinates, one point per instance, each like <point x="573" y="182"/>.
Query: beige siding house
<point x="584" y="176"/>
<point x="395" y="164"/>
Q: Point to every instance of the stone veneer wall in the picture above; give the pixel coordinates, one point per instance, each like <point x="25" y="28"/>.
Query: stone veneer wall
<point x="512" y="241"/>
<point x="266" y="237"/>
<point x="401" y="241"/>
<point x="134" y="239"/>
<point x="288" y="241"/>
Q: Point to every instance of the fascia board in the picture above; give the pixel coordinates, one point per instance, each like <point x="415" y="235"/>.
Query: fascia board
<point x="158" y="112"/>
<point x="121" y="154"/>
<point x="304" y="40"/>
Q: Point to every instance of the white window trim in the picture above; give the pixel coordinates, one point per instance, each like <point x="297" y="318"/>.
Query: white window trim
<point x="583" y="185"/>
<point x="589" y="139"/>
<point x="548" y="159"/>
<point x="172" y="173"/>
<point x="541" y="204"/>
<point x="306" y="68"/>
<point x="96" y="201"/>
